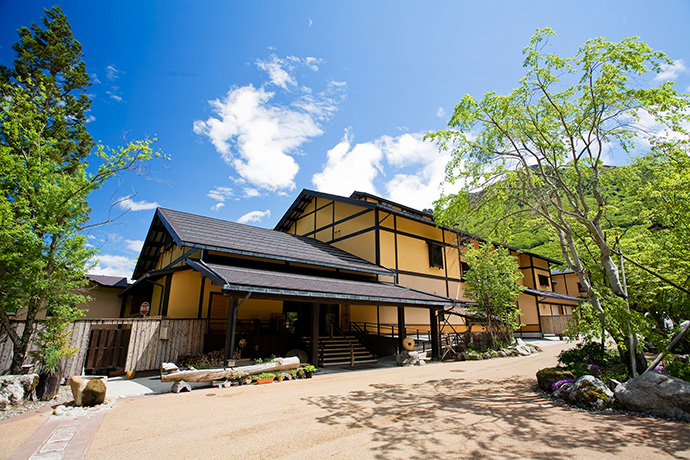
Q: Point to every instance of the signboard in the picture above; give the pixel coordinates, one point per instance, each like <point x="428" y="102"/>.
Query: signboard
<point x="144" y="309"/>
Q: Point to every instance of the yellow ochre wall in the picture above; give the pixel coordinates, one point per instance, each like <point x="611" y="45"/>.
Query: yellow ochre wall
<point x="529" y="316"/>
<point x="258" y="308"/>
<point x="567" y="284"/>
<point x="362" y="245"/>
<point x="184" y="295"/>
<point x="104" y="303"/>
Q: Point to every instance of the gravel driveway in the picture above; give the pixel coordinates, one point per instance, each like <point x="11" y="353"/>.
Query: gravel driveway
<point x="472" y="409"/>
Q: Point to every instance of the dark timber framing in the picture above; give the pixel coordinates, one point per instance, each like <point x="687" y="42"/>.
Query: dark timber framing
<point x="534" y="282"/>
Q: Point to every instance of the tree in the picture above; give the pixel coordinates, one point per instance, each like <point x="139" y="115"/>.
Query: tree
<point x="542" y="148"/>
<point x="49" y="61"/>
<point x="44" y="186"/>
<point x="659" y="186"/>
<point x="492" y="282"/>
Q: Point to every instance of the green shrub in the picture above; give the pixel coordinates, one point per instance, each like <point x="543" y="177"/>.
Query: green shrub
<point x="589" y="358"/>
<point x="679" y="370"/>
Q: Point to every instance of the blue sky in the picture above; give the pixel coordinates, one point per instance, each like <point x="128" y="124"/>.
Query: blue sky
<point x="254" y="101"/>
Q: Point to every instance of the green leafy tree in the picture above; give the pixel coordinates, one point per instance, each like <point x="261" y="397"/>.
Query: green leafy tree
<point x="49" y="63"/>
<point x="658" y="267"/>
<point x="492" y="282"/>
<point x="542" y="146"/>
<point x="44" y="186"/>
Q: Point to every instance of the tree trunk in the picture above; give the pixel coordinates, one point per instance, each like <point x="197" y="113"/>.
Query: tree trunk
<point x="19" y="352"/>
<point x="21" y="347"/>
<point x="640" y="358"/>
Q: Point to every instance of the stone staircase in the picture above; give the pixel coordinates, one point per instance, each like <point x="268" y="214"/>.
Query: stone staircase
<point x="344" y="350"/>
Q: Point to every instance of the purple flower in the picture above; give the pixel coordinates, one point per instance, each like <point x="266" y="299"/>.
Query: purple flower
<point x="593" y="366"/>
<point x="659" y="368"/>
<point x="560" y="383"/>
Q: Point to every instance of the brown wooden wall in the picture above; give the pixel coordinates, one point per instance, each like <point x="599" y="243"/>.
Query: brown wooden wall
<point x="147" y="349"/>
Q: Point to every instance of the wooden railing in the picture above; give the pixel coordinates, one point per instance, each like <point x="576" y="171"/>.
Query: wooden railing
<point x="364" y="338"/>
<point x="422" y="336"/>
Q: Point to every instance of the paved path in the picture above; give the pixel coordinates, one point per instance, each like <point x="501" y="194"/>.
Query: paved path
<point x="61" y="437"/>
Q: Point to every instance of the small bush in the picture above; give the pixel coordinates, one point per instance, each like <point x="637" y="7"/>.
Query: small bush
<point x="263" y="375"/>
<point x="679" y="370"/>
<point x="589" y="358"/>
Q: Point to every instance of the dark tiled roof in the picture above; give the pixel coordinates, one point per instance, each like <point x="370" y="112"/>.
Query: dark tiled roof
<point x="565" y="271"/>
<point x="360" y="199"/>
<point x="297" y="285"/>
<point x="553" y="295"/>
<point x="108" y="281"/>
<point x="206" y="232"/>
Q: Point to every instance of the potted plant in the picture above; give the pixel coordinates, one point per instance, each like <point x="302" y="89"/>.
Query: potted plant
<point x="264" y="377"/>
<point x="309" y="370"/>
<point x="280" y="376"/>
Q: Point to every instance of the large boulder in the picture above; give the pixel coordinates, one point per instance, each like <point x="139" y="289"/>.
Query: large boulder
<point x="16" y="388"/>
<point x="546" y="378"/>
<point x="88" y="391"/>
<point x="588" y="392"/>
<point x="656" y="394"/>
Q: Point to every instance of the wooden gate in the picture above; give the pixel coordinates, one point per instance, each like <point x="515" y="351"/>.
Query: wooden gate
<point x="107" y="349"/>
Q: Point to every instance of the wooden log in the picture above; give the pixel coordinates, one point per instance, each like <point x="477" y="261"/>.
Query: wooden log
<point x="208" y="375"/>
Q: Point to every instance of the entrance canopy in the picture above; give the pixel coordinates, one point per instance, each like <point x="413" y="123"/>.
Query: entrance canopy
<point x="272" y="284"/>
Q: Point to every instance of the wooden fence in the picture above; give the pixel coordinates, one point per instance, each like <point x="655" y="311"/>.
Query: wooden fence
<point x="556" y="324"/>
<point x="152" y="341"/>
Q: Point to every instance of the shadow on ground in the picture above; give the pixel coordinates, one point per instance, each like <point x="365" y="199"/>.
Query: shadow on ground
<point x="486" y="418"/>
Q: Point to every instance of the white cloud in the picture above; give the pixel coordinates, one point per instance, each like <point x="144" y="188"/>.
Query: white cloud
<point x="251" y="192"/>
<point x="349" y="168"/>
<point x="128" y="204"/>
<point x="650" y="127"/>
<point x="280" y="69"/>
<point x="112" y="72"/>
<point x="419" y="166"/>
<point x="114" y="96"/>
<point x="441" y="113"/>
<point x="671" y="71"/>
<point x="263" y="135"/>
<point x="134" y="245"/>
<point x="408" y="149"/>
<point x="94" y="78"/>
<point x="312" y="63"/>
<point x="275" y="67"/>
<point x="421" y="189"/>
<point x="254" y="216"/>
<point x="113" y="265"/>
<point x="220" y="193"/>
<point x="258" y="136"/>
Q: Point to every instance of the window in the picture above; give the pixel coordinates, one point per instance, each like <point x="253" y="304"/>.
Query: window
<point x="580" y="287"/>
<point x="435" y="255"/>
<point x="543" y="280"/>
